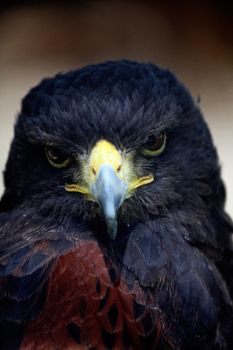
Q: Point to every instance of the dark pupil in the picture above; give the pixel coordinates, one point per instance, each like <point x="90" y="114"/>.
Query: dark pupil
<point x="155" y="142"/>
<point x="56" y="156"/>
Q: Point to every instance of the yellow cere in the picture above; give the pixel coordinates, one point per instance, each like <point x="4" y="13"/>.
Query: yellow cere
<point x="104" y="153"/>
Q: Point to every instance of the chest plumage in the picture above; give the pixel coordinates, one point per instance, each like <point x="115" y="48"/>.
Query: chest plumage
<point x="87" y="306"/>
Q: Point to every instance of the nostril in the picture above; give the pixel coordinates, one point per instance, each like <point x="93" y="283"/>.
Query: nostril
<point x="119" y="168"/>
<point x="93" y="171"/>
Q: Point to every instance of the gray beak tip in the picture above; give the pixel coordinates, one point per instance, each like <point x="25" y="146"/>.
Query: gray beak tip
<point x="111" y="227"/>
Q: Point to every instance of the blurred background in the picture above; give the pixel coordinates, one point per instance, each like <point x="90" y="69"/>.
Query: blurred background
<point x="192" y="38"/>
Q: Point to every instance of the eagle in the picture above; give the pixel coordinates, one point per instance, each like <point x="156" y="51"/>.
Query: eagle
<point x="113" y="233"/>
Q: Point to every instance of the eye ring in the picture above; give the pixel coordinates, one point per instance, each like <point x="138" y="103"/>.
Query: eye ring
<point x="56" y="158"/>
<point x="155" y="145"/>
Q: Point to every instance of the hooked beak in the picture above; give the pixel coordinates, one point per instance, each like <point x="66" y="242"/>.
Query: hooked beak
<point x="109" y="192"/>
<point x="109" y="180"/>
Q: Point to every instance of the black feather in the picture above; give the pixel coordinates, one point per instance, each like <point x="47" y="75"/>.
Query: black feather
<point x="174" y="239"/>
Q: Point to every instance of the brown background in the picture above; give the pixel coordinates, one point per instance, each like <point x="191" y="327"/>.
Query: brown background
<point x="193" y="38"/>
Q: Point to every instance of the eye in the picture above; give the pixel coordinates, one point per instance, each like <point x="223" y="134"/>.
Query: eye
<point x="155" y="145"/>
<point x="56" y="158"/>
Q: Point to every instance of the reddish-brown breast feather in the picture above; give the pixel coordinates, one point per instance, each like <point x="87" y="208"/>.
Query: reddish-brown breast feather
<point x="84" y="309"/>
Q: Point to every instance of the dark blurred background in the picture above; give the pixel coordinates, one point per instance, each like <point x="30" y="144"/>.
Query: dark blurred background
<point x="192" y="38"/>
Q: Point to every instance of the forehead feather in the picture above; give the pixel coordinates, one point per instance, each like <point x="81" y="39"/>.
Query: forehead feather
<point x="111" y="100"/>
